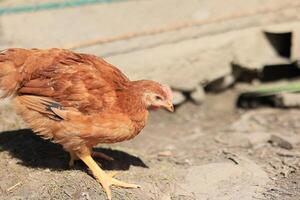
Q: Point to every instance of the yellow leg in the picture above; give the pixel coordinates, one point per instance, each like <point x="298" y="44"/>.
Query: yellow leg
<point x="105" y="180"/>
<point x="95" y="154"/>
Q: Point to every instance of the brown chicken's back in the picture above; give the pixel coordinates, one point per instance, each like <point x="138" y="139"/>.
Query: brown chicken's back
<point x="84" y="85"/>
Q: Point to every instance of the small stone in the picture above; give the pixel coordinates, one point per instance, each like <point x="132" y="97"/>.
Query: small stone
<point x="165" y="153"/>
<point x="84" y="196"/>
<point x="281" y="141"/>
<point x="221" y="84"/>
<point x="46" y="170"/>
<point x="178" y="98"/>
<point x="188" y="161"/>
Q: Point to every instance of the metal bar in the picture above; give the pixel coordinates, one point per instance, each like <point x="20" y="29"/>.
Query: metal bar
<point x="51" y="6"/>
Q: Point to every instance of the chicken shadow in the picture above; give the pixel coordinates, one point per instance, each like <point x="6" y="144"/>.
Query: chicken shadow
<point x="35" y="152"/>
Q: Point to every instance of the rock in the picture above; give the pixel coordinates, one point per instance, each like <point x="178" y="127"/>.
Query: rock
<point x="165" y="153"/>
<point x="178" y="98"/>
<point x="227" y="181"/>
<point x="198" y="95"/>
<point x="294" y="28"/>
<point x="220" y="84"/>
<point x="182" y="66"/>
<point x="289" y="99"/>
<point x="282" y="141"/>
<point x="253" y="51"/>
<point x="287" y="153"/>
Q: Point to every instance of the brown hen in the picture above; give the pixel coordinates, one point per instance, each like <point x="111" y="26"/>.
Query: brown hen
<point x="79" y="101"/>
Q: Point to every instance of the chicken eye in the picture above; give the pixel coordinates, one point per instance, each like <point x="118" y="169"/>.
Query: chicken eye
<point x="158" y="98"/>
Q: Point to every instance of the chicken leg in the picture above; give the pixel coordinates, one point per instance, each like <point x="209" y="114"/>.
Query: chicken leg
<point x="105" y="180"/>
<point x="95" y="154"/>
<point x="73" y="157"/>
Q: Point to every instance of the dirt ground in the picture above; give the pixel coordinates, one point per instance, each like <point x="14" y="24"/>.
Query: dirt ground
<point x="212" y="151"/>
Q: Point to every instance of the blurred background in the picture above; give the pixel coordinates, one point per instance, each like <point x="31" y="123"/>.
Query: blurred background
<point x="234" y="69"/>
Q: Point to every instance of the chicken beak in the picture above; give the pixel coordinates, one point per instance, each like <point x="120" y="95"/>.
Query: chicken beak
<point x="170" y="107"/>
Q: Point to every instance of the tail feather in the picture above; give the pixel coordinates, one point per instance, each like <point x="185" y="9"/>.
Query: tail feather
<point x="11" y="62"/>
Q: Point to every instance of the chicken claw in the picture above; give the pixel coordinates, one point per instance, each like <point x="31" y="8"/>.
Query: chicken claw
<point x="106" y="180"/>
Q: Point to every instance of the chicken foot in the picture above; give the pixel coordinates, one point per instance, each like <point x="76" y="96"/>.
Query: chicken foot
<point x="106" y="180"/>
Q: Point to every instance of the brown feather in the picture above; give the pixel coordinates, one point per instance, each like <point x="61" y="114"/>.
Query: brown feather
<point x="77" y="100"/>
